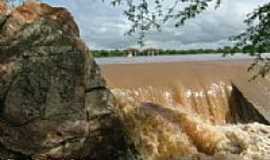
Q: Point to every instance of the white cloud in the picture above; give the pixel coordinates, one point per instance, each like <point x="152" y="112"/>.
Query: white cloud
<point x="103" y="26"/>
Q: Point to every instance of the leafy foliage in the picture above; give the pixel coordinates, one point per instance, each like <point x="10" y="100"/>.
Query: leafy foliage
<point x="256" y="39"/>
<point x="145" y="15"/>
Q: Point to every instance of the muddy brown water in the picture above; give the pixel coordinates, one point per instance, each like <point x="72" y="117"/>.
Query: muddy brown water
<point x="177" y="109"/>
<point x="196" y="84"/>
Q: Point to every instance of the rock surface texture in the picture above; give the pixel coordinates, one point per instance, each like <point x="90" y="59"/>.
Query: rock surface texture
<point x="53" y="100"/>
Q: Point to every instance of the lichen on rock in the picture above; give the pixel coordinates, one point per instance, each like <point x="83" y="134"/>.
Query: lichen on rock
<point x="52" y="94"/>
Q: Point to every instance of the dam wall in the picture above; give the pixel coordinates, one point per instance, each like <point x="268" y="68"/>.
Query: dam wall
<point x="193" y="110"/>
<point x="220" y="91"/>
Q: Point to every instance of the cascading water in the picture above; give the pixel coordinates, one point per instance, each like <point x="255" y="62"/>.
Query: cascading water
<point x="176" y="111"/>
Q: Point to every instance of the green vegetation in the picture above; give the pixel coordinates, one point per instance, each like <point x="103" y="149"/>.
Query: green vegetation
<point x="145" y="15"/>
<point x="125" y="53"/>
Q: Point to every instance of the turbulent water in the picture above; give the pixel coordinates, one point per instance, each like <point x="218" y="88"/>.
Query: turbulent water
<point x="193" y="110"/>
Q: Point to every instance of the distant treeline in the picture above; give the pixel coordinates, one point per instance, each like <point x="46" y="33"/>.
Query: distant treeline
<point x="152" y="51"/>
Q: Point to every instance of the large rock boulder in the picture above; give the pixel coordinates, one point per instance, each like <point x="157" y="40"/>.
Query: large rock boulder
<point x="53" y="100"/>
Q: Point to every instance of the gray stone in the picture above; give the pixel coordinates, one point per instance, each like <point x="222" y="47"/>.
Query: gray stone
<point x="53" y="99"/>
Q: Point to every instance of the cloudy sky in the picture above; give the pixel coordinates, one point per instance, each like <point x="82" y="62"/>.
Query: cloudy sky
<point x="103" y="26"/>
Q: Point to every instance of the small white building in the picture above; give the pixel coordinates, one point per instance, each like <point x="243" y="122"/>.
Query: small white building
<point x="132" y="52"/>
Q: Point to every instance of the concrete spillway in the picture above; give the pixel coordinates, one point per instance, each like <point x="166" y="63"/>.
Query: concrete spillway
<point x="206" y="109"/>
<point x="216" y="88"/>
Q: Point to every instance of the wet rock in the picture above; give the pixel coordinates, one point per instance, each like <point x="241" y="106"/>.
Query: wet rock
<point x="245" y="111"/>
<point x="53" y="100"/>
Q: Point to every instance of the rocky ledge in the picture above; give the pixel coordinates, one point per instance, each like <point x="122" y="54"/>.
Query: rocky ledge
<point x="53" y="100"/>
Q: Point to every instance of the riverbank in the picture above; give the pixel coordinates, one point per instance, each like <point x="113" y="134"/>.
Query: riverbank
<point x="158" y="52"/>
